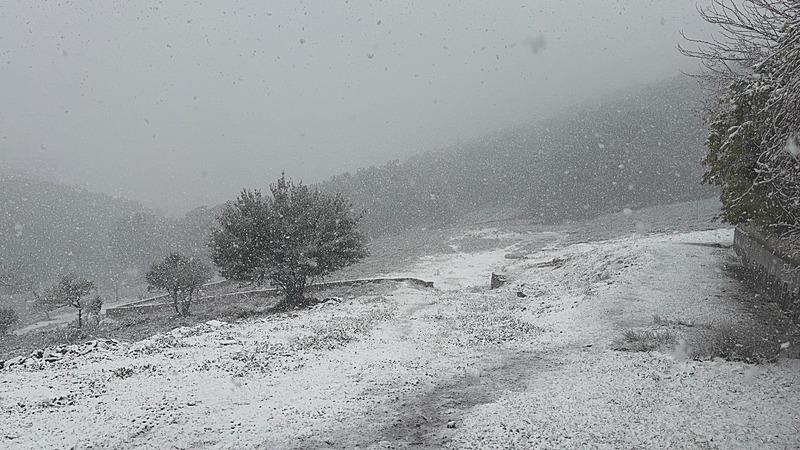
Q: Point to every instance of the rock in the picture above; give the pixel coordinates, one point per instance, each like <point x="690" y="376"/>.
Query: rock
<point x="33" y="363"/>
<point x="451" y="424"/>
<point x="555" y="262"/>
<point x="497" y="280"/>
<point x="15" y="361"/>
<point x="330" y="301"/>
<point x="52" y="357"/>
<point x="521" y="294"/>
<point x="216" y="323"/>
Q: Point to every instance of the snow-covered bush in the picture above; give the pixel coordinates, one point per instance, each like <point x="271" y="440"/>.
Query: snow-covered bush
<point x="734" y="148"/>
<point x="294" y="237"/>
<point x="754" y="144"/>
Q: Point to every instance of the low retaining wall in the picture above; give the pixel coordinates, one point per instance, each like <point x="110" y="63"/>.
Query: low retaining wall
<point x="161" y="298"/>
<point x="137" y="308"/>
<point x="774" y="267"/>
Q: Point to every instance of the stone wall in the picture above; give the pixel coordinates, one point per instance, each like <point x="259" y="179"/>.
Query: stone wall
<point x="774" y="265"/>
<point x="163" y="304"/>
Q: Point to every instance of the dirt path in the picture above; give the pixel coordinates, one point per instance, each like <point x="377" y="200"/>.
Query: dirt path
<point x="533" y="364"/>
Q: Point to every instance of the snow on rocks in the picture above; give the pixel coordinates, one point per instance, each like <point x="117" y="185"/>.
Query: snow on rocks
<point x="41" y="357"/>
<point x="155" y="344"/>
<point x="330" y="301"/>
<point x="179" y="337"/>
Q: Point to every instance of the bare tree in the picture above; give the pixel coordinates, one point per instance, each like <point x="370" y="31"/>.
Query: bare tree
<point x="747" y="33"/>
<point x="70" y="290"/>
<point x="754" y="146"/>
<point x="181" y="277"/>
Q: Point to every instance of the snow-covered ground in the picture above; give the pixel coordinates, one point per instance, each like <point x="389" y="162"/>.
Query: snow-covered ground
<point x="532" y="364"/>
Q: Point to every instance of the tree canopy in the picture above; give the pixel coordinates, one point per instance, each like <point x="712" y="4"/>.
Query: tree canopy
<point x="291" y="238"/>
<point x="181" y="277"/>
<point x="754" y="143"/>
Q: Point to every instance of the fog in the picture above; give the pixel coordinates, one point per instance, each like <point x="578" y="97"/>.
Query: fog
<point x="178" y="104"/>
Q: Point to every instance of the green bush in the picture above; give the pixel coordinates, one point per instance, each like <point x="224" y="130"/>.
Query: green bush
<point x="754" y="141"/>
<point x="292" y="238"/>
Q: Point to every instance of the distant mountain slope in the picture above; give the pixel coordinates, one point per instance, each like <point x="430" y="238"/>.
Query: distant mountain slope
<point x="638" y="148"/>
<point x="51" y="229"/>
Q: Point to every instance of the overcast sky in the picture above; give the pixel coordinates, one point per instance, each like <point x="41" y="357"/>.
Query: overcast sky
<point x="178" y="104"/>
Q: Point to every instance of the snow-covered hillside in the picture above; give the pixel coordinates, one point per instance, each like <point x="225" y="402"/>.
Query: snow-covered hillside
<point x="540" y="362"/>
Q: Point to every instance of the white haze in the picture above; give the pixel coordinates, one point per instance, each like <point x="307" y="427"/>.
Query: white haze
<point x="178" y="103"/>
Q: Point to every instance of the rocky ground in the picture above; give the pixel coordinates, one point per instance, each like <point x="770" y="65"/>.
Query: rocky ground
<point x="589" y="344"/>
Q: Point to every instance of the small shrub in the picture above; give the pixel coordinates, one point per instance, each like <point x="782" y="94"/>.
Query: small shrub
<point x="123" y="372"/>
<point x="647" y="340"/>
<point x="127" y="372"/>
<point x="8" y="317"/>
<point x="733" y="342"/>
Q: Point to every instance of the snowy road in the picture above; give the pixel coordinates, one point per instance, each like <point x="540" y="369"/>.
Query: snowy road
<point x="459" y="367"/>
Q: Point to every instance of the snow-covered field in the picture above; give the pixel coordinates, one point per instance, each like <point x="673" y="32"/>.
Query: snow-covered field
<point x="532" y="364"/>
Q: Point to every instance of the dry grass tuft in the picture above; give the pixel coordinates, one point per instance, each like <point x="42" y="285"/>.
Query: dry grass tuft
<point x="736" y="342"/>
<point x="647" y="340"/>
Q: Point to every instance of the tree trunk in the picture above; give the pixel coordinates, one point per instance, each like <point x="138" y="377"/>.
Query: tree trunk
<point x="295" y="291"/>
<point x="175" y="302"/>
<point x="187" y="303"/>
<point x="80" y="322"/>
